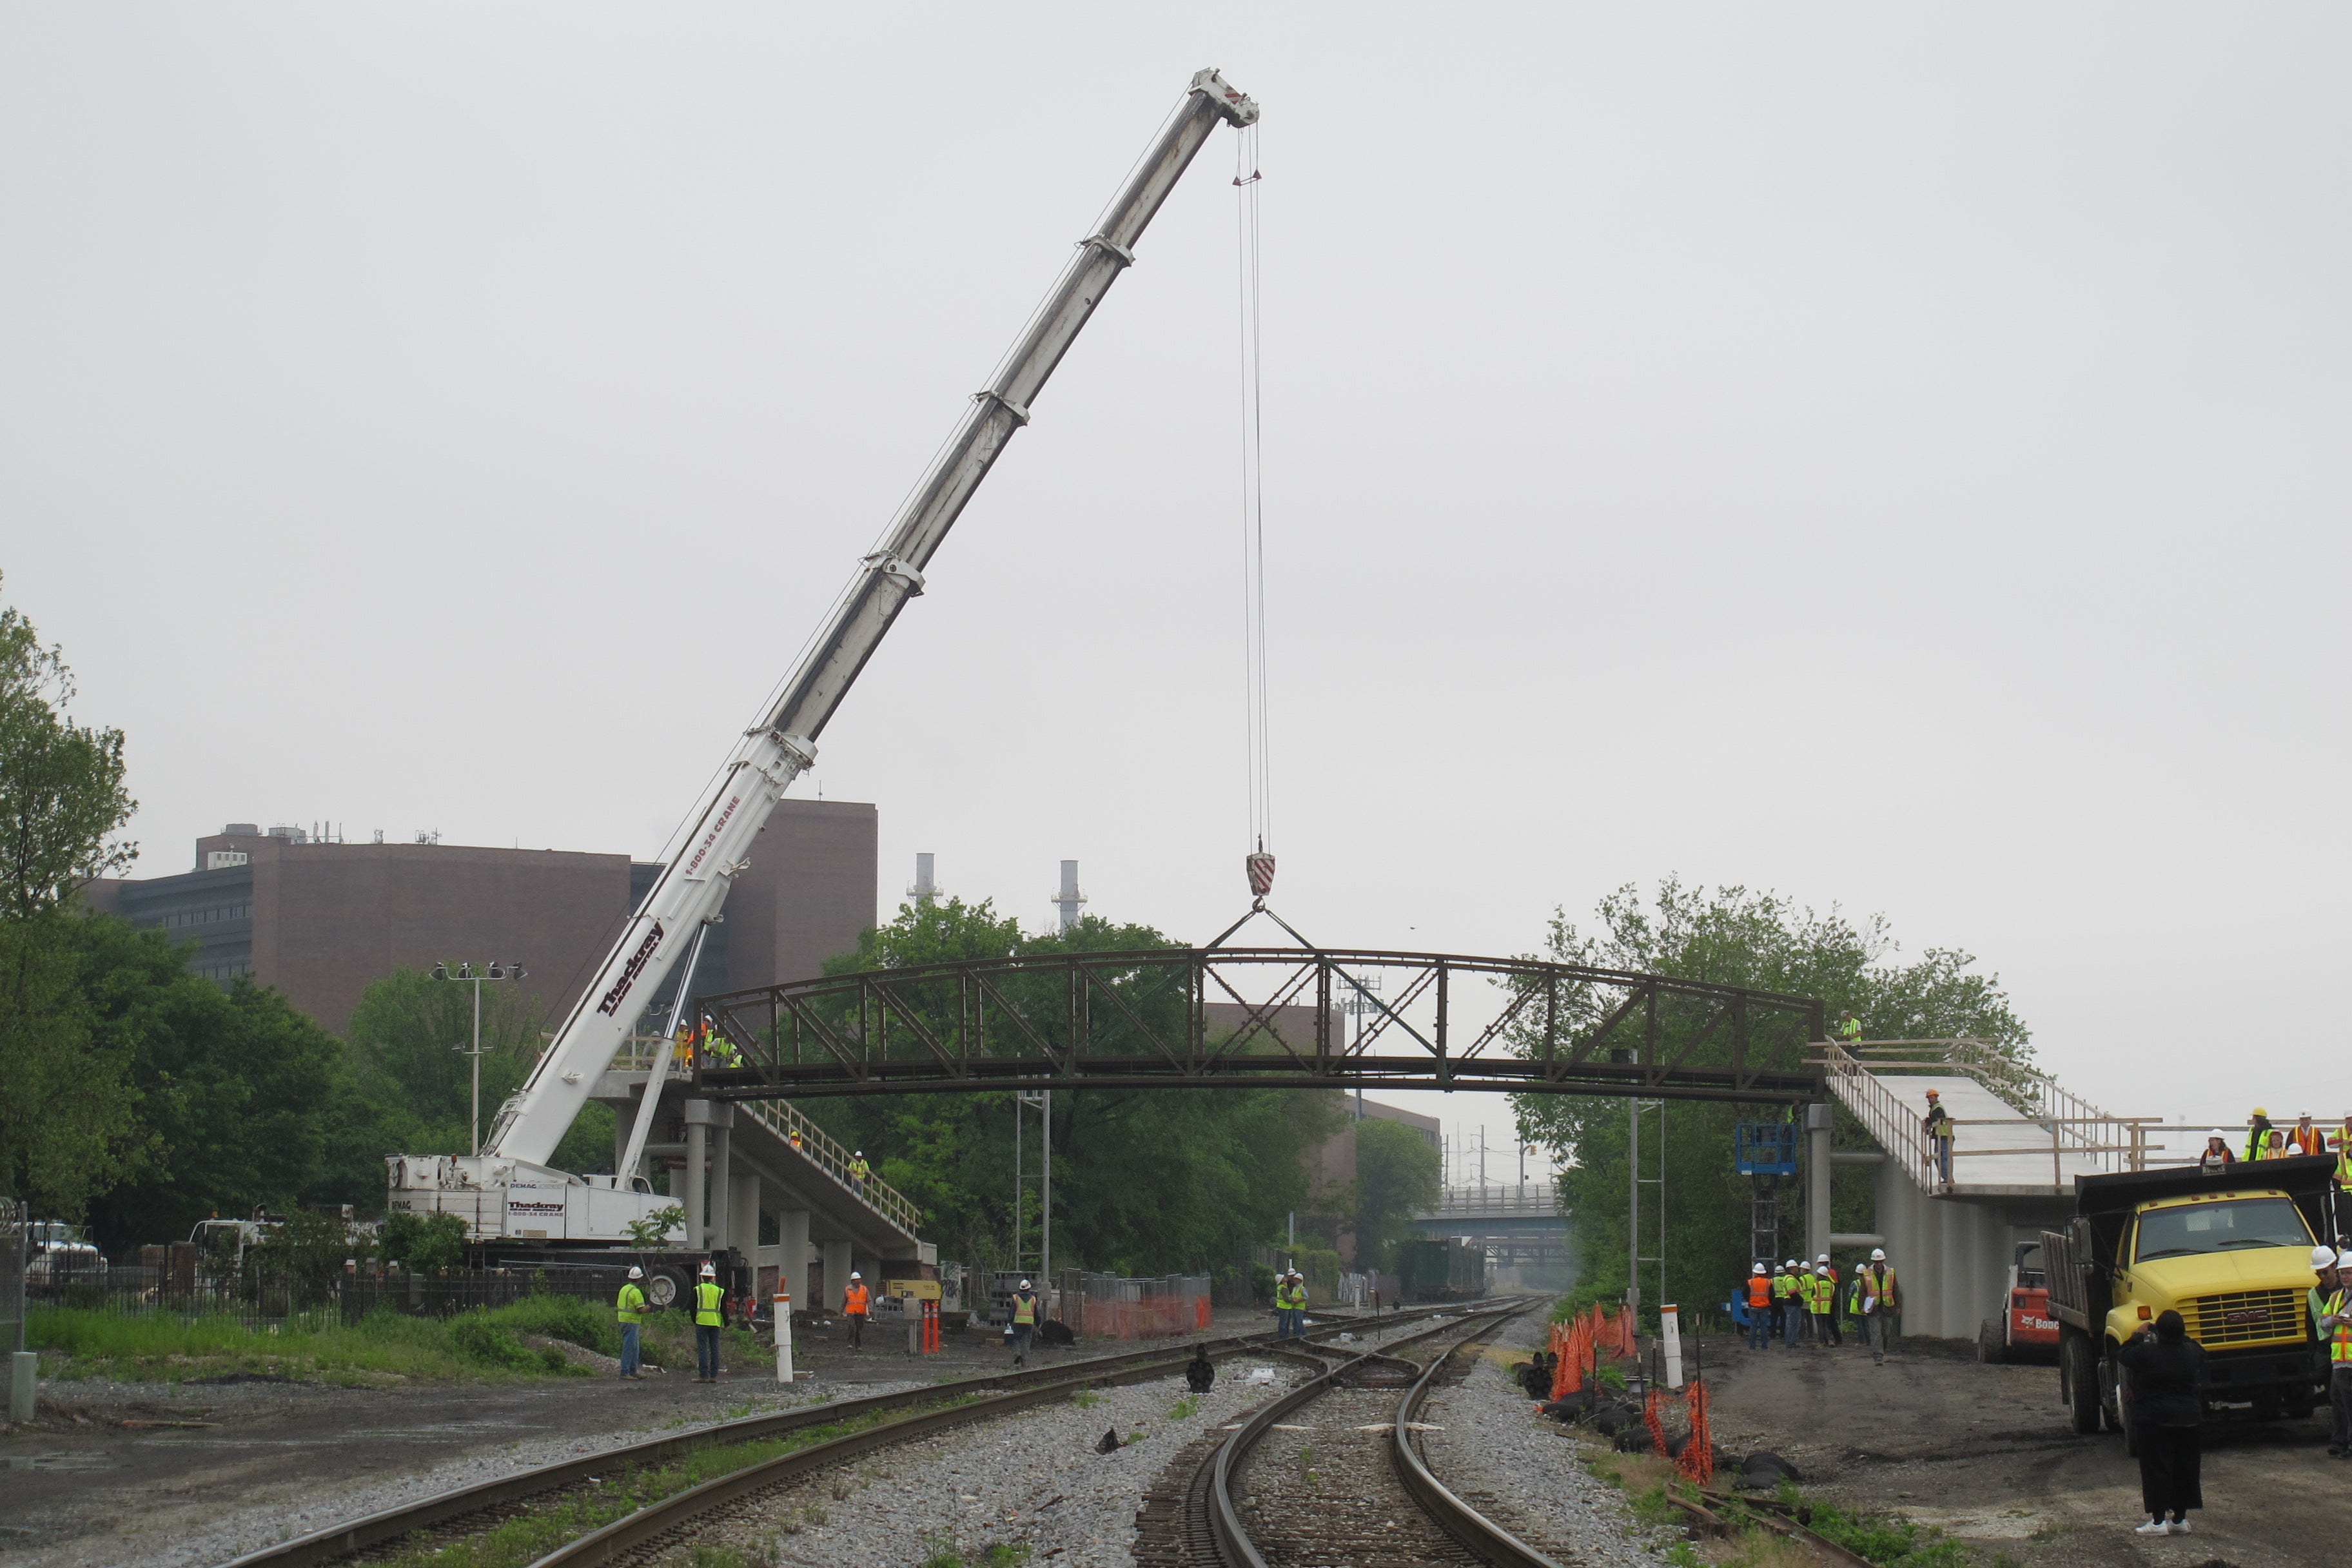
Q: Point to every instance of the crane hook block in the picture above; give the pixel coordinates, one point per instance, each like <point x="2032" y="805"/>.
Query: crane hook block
<point x="1261" y="873"/>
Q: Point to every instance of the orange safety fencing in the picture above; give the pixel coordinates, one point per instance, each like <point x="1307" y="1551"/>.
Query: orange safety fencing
<point x="1697" y="1459"/>
<point x="1579" y="1343"/>
<point x="1152" y="1317"/>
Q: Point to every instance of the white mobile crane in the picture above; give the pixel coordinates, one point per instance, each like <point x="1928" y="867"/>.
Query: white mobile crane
<point x="509" y="1190"/>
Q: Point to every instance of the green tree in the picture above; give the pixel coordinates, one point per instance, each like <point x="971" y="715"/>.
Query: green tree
<point x="1737" y="937"/>
<point x="67" y="1127"/>
<point x="243" y="1101"/>
<point x="1148" y="1181"/>
<point x="410" y="1036"/>
<point x="62" y="799"/>
<point x="1397" y="1172"/>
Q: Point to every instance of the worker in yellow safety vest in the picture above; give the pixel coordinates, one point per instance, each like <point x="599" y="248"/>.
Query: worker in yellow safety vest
<point x="1881" y="1300"/>
<point x="1849" y="1029"/>
<point x="858" y="1170"/>
<point x="710" y="1317"/>
<point x="1291" y="1306"/>
<point x="2331" y="1320"/>
<point x="1805" y="1320"/>
<point x="1784" y="1301"/>
<point x="1026" y="1312"/>
<point x="630" y="1308"/>
<point x="1826" y="1314"/>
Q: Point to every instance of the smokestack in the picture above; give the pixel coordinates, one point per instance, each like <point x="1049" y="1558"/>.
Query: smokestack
<point x="1069" y="900"/>
<point x="925" y="889"/>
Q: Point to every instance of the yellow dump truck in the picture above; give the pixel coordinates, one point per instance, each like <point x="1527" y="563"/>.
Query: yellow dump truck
<point x="2230" y="1251"/>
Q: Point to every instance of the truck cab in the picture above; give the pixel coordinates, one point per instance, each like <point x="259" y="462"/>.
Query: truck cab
<point x="2230" y="1251"/>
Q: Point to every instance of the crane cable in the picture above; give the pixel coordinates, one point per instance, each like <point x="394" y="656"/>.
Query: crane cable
<point x="1259" y="763"/>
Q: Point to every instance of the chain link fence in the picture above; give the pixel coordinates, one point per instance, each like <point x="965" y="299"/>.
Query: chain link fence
<point x="261" y="1299"/>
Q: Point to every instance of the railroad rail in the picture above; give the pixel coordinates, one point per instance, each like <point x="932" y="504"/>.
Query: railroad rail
<point x="1451" y="1529"/>
<point x="983" y="1397"/>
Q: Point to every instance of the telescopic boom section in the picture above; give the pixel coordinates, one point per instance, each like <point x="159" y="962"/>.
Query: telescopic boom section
<point x="783" y="744"/>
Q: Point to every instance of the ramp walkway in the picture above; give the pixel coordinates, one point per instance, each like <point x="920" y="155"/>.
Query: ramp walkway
<point x="2016" y="1132"/>
<point x="2020" y="1141"/>
<point x="766" y="1156"/>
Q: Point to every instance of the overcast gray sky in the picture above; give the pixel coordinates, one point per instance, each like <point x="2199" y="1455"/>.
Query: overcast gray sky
<point x="1894" y="455"/>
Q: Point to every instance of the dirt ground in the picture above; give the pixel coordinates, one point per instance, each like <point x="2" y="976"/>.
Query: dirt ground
<point x="87" y="1485"/>
<point x="1986" y="1453"/>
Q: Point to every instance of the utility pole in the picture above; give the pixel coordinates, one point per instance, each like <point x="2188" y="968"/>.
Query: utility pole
<point x="467" y="972"/>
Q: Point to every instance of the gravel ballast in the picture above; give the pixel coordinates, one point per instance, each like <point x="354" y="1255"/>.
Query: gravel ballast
<point x="1033" y="1477"/>
<point x="1519" y="1467"/>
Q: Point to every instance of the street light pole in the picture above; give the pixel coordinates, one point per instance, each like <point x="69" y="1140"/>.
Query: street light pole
<point x="466" y="971"/>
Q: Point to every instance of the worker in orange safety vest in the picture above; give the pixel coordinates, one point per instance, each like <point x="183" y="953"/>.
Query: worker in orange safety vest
<point x="853" y="1306"/>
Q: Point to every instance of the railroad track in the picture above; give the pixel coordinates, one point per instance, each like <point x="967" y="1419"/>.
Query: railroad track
<point x="897" y="1417"/>
<point x="1350" y="1487"/>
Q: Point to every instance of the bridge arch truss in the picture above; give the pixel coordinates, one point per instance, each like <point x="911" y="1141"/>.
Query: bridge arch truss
<point x="1280" y="1017"/>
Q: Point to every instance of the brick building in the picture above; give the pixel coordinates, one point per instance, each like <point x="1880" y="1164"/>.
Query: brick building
<point x="319" y="920"/>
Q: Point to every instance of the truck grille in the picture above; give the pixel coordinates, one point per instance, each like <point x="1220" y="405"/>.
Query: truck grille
<point x="2246" y="1317"/>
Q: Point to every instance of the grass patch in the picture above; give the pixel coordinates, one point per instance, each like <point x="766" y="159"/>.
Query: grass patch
<point x="383" y="1347"/>
<point x="946" y="1554"/>
<point x="1184" y="1409"/>
<point x="523" y="1540"/>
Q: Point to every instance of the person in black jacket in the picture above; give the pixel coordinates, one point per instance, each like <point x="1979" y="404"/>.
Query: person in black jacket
<point x="2167" y="1369"/>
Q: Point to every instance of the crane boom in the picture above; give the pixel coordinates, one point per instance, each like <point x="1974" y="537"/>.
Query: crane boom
<point x="782" y="743"/>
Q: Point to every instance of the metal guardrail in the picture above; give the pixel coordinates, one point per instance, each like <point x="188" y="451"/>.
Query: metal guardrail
<point x="639" y="1053"/>
<point x="1539" y="1198"/>
<point x="2076" y="1129"/>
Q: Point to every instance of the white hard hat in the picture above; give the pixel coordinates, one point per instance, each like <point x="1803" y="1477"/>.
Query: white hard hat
<point x="1824" y="1257"/>
<point x="2323" y="1257"/>
<point x="635" y="1272"/>
<point x="1792" y="1263"/>
<point x="1823" y="1270"/>
<point x="1758" y="1269"/>
<point x="853" y="1274"/>
<point x="2217" y="1132"/>
<point x="1025" y="1284"/>
<point x="857" y="1153"/>
<point x="711" y="1270"/>
<point x="1878" y="1255"/>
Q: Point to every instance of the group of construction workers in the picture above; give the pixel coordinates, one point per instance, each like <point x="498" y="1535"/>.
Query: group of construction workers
<point x="710" y="1317"/>
<point x="2265" y="1140"/>
<point x="1799" y="1305"/>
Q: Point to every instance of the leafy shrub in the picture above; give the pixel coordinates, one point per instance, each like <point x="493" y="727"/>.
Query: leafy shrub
<point x="424" y="1242"/>
<point x="477" y="1337"/>
<point x="568" y="1318"/>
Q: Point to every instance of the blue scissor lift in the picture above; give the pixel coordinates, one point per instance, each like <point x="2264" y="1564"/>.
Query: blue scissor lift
<point x="1767" y="1152"/>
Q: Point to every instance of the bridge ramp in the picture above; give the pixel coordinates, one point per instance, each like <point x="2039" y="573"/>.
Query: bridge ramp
<point x="2020" y="1143"/>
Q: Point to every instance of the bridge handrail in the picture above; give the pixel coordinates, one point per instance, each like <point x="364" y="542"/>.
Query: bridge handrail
<point x="2075" y="1126"/>
<point x="639" y="1052"/>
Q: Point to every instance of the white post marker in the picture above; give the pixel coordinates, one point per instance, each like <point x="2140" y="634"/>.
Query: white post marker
<point x="783" y="1333"/>
<point x="1670" y="1333"/>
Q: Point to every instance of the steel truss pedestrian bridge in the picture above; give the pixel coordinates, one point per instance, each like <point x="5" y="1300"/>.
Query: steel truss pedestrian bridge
<point x="1275" y="1017"/>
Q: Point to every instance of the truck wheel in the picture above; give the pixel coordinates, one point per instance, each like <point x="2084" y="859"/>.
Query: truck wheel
<point x="2078" y="1386"/>
<point x="665" y="1286"/>
<point x="1991" y="1349"/>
